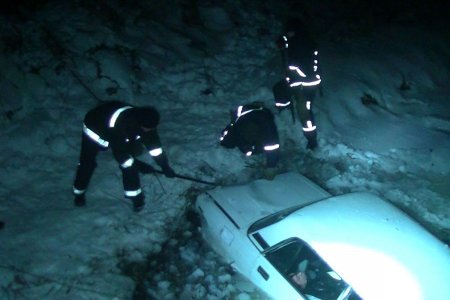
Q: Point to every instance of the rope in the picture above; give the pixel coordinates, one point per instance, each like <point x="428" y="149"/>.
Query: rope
<point x="160" y="184"/>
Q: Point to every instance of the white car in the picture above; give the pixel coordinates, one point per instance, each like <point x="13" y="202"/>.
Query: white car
<point x="294" y="240"/>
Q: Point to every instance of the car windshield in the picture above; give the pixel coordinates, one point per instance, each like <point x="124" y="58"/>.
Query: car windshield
<point x="307" y="272"/>
<point x="273" y="218"/>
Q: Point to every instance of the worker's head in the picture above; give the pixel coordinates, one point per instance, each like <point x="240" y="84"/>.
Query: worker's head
<point x="147" y="117"/>
<point x="294" y="26"/>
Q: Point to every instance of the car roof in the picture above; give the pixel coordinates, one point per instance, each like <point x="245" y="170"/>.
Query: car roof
<point x="375" y="247"/>
<point x="250" y="202"/>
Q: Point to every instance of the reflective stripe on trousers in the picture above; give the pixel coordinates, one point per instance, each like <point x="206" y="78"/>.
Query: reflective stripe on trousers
<point x="134" y="193"/>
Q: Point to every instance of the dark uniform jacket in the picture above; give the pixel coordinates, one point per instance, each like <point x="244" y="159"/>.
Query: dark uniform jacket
<point x="113" y="125"/>
<point x="253" y="131"/>
<point x="300" y="57"/>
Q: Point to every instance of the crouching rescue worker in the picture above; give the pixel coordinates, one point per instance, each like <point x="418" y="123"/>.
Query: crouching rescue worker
<point x="302" y="76"/>
<point x="122" y="128"/>
<point x="253" y="131"/>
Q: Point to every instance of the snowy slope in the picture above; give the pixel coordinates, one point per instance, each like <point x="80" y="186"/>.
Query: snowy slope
<point x="194" y="63"/>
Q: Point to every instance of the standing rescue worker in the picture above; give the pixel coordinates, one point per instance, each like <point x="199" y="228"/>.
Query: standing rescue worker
<point x="302" y="77"/>
<point x="123" y="128"/>
<point x="253" y="131"/>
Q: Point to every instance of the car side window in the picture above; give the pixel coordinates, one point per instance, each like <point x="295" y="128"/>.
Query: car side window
<point x="307" y="272"/>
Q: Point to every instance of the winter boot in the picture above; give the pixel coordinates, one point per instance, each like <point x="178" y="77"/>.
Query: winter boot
<point x="80" y="200"/>
<point x="312" y="144"/>
<point x="138" y="202"/>
<point x="311" y="136"/>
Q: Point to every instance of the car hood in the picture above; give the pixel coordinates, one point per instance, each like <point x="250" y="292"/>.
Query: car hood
<point x="374" y="246"/>
<point x="248" y="203"/>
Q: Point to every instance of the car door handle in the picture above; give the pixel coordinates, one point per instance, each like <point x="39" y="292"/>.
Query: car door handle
<point x="263" y="273"/>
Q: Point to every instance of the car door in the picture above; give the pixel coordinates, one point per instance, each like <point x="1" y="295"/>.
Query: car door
<point x="284" y="261"/>
<point x="271" y="281"/>
<point x="267" y="272"/>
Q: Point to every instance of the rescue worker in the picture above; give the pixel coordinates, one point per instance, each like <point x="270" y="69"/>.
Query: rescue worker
<point x="253" y="131"/>
<point x="302" y="76"/>
<point x="123" y="128"/>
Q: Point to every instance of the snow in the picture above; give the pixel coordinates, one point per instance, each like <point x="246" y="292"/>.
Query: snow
<point x="59" y="59"/>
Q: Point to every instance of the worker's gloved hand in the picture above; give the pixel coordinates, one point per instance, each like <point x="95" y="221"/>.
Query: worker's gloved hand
<point x="143" y="167"/>
<point x="168" y="172"/>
